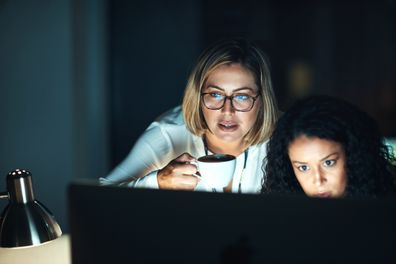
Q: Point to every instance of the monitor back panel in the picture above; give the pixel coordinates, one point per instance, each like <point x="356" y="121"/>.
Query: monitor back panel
<point x="124" y="225"/>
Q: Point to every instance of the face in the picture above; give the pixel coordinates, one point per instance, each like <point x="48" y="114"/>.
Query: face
<point x="319" y="166"/>
<point x="227" y="125"/>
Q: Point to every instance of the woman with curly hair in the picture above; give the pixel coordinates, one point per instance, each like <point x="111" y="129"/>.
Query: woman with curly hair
<point x="326" y="147"/>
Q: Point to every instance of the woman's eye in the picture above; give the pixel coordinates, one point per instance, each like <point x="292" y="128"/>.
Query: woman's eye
<point x="241" y="97"/>
<point x="329" y="163"/>
<point x="217" y="96"/>
<point x="303" y="168"/>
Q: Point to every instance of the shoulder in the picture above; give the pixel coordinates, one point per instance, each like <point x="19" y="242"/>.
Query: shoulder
<point x="171" y="124"/>
<point x="259" y="149"/>
<point x="173" y="116"/>
<point x="257" y="154"/>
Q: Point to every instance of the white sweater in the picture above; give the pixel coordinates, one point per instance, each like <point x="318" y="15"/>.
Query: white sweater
<point x="167" y="138"/>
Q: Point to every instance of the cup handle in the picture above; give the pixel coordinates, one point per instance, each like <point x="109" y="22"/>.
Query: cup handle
<point x="197" y="175"/>
<point x="193" y="162"/>
<point x="196" y="165"/>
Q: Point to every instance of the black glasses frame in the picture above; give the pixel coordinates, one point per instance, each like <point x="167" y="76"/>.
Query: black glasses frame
<point x="231" y="98"/>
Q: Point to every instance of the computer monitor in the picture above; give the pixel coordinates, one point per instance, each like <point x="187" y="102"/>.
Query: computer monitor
<point x="126" y="225"/>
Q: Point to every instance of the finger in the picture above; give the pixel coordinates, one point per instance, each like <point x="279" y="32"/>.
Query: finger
<point x="171" y="180"/>
<point x="180" y="182"/>
<point x="188" y="180"/>
<point x="184" y="168"/>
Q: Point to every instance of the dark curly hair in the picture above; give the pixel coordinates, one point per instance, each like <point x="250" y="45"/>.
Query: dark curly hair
<point x="368" y="159"/>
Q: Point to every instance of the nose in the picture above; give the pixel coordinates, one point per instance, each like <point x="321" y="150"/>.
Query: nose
<point x="319" y="177"/>
<point x="227" y="106"/>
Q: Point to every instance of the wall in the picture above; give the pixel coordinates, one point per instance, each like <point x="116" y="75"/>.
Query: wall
<point x="339" y="48"/>
<point x="154" y="45"/>
<point x="52" y="106"/>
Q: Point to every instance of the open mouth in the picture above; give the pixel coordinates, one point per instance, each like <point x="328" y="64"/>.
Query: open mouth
<point x="228" y="126"/>
<point x="323" y="195"/>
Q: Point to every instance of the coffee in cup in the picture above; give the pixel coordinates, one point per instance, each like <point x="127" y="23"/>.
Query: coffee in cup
<point x="216" y="158"/>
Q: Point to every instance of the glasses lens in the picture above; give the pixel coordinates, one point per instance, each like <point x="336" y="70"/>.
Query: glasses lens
<point x="242" y="102"/>
<point x="213" y="100"/>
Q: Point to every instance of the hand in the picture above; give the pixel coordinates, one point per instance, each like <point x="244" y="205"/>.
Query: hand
<point x="177" y="175"/>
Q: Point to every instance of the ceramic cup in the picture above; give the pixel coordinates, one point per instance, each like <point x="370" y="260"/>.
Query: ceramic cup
<point x="216" y="171"/>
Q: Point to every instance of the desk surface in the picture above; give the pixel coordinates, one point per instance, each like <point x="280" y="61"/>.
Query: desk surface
<point x="55" y="252"/>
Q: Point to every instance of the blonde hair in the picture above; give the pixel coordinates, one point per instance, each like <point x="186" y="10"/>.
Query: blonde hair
<point x="252" y="58"/>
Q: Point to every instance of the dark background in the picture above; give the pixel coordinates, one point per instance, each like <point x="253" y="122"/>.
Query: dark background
<point x="81" y="80"/>
<point x="342" y="48"/>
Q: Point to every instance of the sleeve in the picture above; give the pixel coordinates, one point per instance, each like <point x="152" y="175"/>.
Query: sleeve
<point x="151" y="152"/>
<point x="148" y="181"/>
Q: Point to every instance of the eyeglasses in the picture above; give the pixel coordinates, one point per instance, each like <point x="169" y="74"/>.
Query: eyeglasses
<point x="239" y="102"/>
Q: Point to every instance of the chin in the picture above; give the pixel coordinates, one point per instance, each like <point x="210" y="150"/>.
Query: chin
<point x="229" y="138"/>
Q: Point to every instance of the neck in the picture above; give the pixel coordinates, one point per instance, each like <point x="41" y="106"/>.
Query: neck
<point x="225" y="147"/>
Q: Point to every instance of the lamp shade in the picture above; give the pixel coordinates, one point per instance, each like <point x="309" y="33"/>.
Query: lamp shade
<point x="25" y="221"/>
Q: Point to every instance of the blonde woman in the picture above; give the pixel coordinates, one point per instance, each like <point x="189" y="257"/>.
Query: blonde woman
<point x="228" y="107"/>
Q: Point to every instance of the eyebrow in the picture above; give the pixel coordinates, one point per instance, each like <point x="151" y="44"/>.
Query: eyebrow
<point x="235" y="90"/>
<point x="300" y="162"/>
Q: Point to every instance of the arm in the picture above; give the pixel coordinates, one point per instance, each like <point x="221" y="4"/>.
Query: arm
<point x="151" y="152"/>
<point x="152" y="163"/>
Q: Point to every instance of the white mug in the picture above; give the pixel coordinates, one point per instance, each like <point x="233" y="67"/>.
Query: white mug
<point x="216" y="171"/>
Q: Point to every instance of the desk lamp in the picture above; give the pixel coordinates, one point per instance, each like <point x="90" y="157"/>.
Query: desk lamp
<point x="25" y="221"/>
